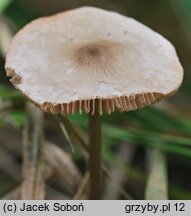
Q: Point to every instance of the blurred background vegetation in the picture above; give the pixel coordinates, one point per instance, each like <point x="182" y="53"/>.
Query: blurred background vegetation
<point x="146" y="153"/>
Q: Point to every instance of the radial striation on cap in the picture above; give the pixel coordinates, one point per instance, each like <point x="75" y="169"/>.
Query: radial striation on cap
<point x="64" y="63"/>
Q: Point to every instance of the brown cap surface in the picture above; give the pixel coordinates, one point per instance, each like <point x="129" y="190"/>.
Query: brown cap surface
<point x="65" y="61"/>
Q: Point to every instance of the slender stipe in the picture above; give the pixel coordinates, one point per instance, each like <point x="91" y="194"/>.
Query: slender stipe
<point x="95" y="154"/>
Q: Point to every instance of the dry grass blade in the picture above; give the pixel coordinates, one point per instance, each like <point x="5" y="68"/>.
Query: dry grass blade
<point x="115" y="184"/>
<point x="74" y="134"/>
<point x="49" y="151"/>
<point x="58" y="161"/>
<point x="82" y="191"/>
<point x="157" y="183"/>
<point x="33" y="168"/>
<point x="126" y="153"/>
<point x="66" y="135"/>
<point x="15" y="194"/>
<point x="76" y="137"/>
<point x="62" y="164"/>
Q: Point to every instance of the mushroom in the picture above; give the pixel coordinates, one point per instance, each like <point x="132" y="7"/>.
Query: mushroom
<point x="92" y="60"/>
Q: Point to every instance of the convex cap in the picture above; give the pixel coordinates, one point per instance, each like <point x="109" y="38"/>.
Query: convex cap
<point x="67" y="61"/>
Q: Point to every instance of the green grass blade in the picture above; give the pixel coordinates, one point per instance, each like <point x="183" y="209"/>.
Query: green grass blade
<point x="172" y="144"/>
<point x="4" y="4"/>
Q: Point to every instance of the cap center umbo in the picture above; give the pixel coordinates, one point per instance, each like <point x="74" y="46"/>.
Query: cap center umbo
<point x="97" y="55"/>
<point x="93" y="51"/>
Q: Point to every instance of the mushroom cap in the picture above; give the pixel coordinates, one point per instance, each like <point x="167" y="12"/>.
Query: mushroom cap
<point x="67" y="61"/>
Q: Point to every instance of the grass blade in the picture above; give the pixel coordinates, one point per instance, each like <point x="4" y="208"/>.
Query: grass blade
<point x="34" y="164"/>
<point x="157" y="186"/>
<point x="4" y="4"/>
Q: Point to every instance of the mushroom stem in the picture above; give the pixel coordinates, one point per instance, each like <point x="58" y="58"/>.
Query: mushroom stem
<point x="95" y="154"/>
